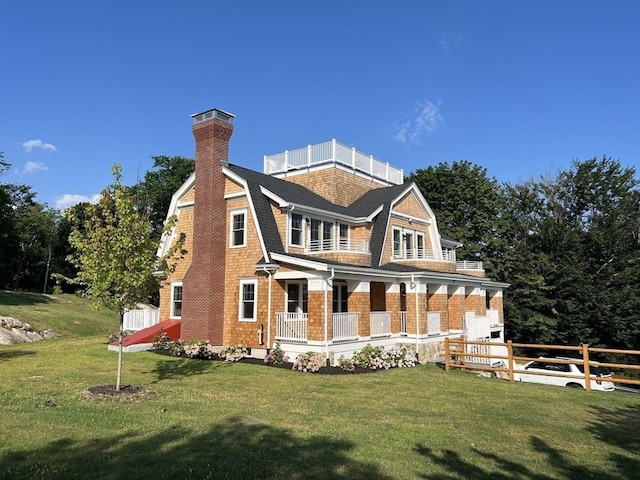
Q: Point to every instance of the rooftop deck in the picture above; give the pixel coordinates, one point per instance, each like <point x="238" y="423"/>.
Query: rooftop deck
<point x="332" y="152"/>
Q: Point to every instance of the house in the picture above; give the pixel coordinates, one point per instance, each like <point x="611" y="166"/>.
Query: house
<point x="327" y="250"/>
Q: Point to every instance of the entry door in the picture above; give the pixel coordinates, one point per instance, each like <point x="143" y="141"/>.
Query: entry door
<point x="297" y="297"/>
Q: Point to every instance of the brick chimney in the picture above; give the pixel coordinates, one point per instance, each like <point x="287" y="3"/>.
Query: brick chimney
<point x="203" y="285"/>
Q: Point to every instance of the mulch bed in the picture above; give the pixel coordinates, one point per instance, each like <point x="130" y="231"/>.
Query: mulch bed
<point x="286" y="366"/>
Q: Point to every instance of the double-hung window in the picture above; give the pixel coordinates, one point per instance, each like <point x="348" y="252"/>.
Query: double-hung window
<point x="343" y="233"/>
<point x="297" y="297"/>
<point x="238" y="228"/>
<point x="176" y="300"/>
<point x="296" y="229"/>
<point x="248" y="304"/>
<point x="340" y="295"/>
<point x="397" y="243"/>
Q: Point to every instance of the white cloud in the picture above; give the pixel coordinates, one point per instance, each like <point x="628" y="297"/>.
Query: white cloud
<point x="70" y="199"/>
<point x="29" y="145"/>
<point x="427" y="119"/>
<point x="32" y="167"/>
<point x="450" y="42"/>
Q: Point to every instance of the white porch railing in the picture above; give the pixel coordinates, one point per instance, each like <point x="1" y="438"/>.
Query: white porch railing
<point x="335" y="152"/>
<point x="139" y="319"/>
<point x="345" y="326"/>
<point x="433" y="323"/>
<point x="342" y="245"/>
<point x="469" y="265"/>
<point x="403" y="323"/>
<point x="291" y="327"/>
<point x="380" y="324"/>
<point x="484" y="349"/>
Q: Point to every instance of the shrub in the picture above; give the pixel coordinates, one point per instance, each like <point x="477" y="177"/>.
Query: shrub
<point x="309" y="362"/>
<point x="379" y="358"/>
<point x="347" y="364"/>
<point x="276" y="356"/>
<point x="163" y="342"/>
<point x="199" y="349"/>
<point x="233" y="353"/>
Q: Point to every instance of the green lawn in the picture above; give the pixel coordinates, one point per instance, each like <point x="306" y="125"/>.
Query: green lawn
<point x="205" y="419"/>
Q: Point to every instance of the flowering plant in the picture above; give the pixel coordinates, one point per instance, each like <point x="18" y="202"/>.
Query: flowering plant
<point x="199" y="349"/>
<point x="309" y="362"/>
<point x="276" y="356"/>
<point x="347" y="364"/>
<point x="163" y="342"/>
<point x="379" y="358"/>
<point x="233" y="353"/>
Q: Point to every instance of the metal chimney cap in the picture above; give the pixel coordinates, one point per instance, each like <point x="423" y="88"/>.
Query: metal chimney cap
<point x="213" y="113"/>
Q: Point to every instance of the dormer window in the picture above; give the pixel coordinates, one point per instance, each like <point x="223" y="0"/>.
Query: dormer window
<point x="296" y="229"/>
<point x="408" y="244"/>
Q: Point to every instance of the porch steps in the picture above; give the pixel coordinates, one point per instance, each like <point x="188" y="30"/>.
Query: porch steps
<point x="143" y="339"/>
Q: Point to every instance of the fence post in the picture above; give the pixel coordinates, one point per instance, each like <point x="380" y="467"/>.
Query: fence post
<point x="510" y="359"/>
<point x="446" y="354"/>
<point x="585" y="364"/>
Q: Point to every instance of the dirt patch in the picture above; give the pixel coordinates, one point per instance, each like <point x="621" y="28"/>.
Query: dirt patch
<point x="126" y="392"/>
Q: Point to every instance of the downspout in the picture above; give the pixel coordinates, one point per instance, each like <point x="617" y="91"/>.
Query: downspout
<point x="265" y="269"/>
<point x="415" y="286"/>
<point x="326" y="314"/>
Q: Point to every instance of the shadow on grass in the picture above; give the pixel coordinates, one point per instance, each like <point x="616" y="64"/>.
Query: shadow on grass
<point x="14" y="353"/>
<point x="460" y="468"/>
<point x="234" y="449"/>
<point x="177" y="368"/>
<point x="22" y="298"/>
<point x="619" y="427"/>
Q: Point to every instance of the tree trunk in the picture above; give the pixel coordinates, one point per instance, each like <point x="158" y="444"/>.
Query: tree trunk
<point x="119" y="376"/>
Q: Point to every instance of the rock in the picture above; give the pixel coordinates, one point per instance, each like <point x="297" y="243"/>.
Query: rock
<point x="13" y="330"/>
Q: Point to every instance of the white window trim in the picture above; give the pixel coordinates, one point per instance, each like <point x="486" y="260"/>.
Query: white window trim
<point x="233" y="213"/>
<point x="248" y="281"/>
<point x="400" y="253"/>
<point x="172" y="304"/>
<point x="290" y="230"/>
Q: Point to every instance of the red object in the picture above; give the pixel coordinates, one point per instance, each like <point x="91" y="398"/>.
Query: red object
<point x="170" y="327"/>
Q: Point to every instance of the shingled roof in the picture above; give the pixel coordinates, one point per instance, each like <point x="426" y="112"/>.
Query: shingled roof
<point x="292" y="192"/>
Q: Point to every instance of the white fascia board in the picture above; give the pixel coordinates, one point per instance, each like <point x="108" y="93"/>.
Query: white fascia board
<point x="241" y="181"/>
<point x="302" y="209"/>
<point x="450" y="243"/>
<point x="282" y="203"/>
<point x="165" y="241"/>
<point x="374" y="214"/>
<point x="300" y="262"/>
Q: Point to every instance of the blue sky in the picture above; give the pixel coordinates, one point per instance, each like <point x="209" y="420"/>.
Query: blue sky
<point x="518" y="87"/>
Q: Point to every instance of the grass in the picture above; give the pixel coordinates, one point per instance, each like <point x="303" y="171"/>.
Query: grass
<point x="205" y="419"/>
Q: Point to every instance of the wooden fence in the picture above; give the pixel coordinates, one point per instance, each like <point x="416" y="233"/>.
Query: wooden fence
<point x="458" y="355"/>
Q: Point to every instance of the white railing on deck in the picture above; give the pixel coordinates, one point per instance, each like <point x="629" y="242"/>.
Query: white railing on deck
<point x="380" y="324"/>
<point x="332" y="245"/>
<point x="291" y="327"/>
<point x="336" y="152"/>
<point x="433" y="323"/>
<point x="448" y="255"/>
<point x="139" y="319"/>
<point x="403" y="323"/>
<point x="345" y="326"/>
<point x="469" y="265"/>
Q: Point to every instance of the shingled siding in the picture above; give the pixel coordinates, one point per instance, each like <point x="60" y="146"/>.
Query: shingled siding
<point x="335" y="184"/>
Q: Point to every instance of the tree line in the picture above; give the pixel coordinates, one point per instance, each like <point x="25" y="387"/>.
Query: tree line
<point x="568" y="243"/>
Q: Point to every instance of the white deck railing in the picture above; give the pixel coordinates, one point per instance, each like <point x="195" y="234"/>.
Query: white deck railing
<point x="345" y="326"/>
<point x="380" y="324"/>
<point x="469" y="265"/>
<point x="139" y="319"/>
<point x="291" y="327"/>
<point x="335" y="152"/>
<point x="333" y="245"/>
<point x="403" y="323"/>
<point x="433" y="323"/>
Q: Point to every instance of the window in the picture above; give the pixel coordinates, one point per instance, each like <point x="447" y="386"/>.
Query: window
<point x="238" y="228"/>
<point x="320" y="235"/>
<point x="343" y="232"/>
<point x="248" y="300"/>
<point x="296" y="229"/>
<point x="176" y="300"/>
<point x="297" y="298"/>
<point x="397" y="244"/>
<point x="340" y="295"/>
<point x="408" y="245"/>
<point x="420" y="245"/>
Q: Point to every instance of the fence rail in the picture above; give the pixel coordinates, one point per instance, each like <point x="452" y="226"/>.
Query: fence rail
<point x="457" y="355"/>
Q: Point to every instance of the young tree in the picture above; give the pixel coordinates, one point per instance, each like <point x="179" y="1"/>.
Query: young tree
<point x="116" y="254"/>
